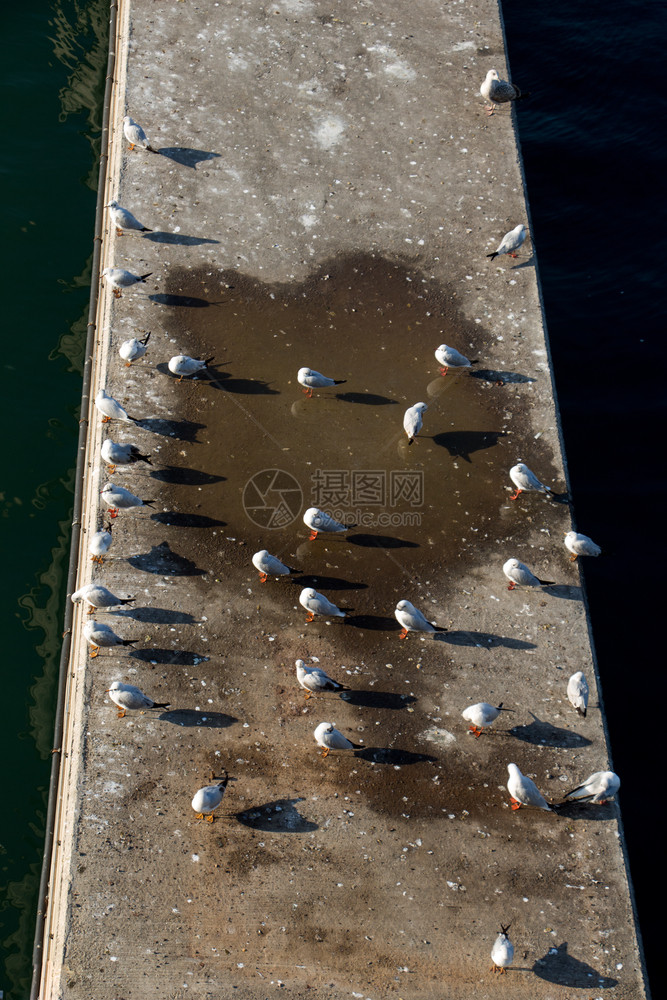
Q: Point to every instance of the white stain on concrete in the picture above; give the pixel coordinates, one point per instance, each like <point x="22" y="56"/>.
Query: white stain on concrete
<point x="329" y="132"/>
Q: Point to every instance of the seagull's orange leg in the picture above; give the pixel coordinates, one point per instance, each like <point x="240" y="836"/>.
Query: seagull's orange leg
<point x="515" y="804"/>
<point x="113" y="511"/>
<point x="263" y="577"/>
<point x="325" y="753"/>
<point x="117" y="293"/>
<point x="106" y="420"/>
<point x="512" y="586"/>
<point x="312" y="535"/>
<point x="121" y="713"/>
<point x="94" y="651"/>
<point x="308" y="393"/>
<point x="404" y="634"/>
<point x="210" y="818"/>
<point x="573" y="558"/>
<point x="475" y="731"/>
<point x="310" y="618"/>
<point x="516" y="493"/>
<point x="90" y="610"/>
<point x="443" y="371"/>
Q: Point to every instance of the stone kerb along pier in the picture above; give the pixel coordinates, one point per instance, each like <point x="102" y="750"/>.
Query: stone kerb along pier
<point x="323" y="188"/>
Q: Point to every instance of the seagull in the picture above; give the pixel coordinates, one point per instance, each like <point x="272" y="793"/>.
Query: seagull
<point x="132" y="350"/>
<point x="580" y="545"/>
<point x="99" y="544"/>
<point x="523" y="791"/>
<point x="119" y="278"/>
<point x="597" y="789"/>
<point x="482" y="715"/>
<point x="577" y="692"/>
<point x="502" y="953"/>
<point x="412" y="620"/>
<point x="111" y="409"/>
<point x="526" y="481"/>
<point x="98" y="635"/>
<point x="330" y="738"/>
<point x="314" y="380"/>
<point x="123" y="219"/>
<point x="520" y="576"/>
<point x="510" y="242"/>
<point x="183" y="365"/>
<point x="208" y="798"/>
<point x="98" y="596"/>
<point x="314" y="679"/>
<point x="135" y="135"/>
<point x="115" y="454"/>
<point x="448" y="357"/>
<point x="317" y="604"/>
<point x="317" y="520"/>
<point x="498" y="91"/>
<point x="412" y="420"/>
<point x="129" y="698"/>
<point x="267" y="565"/>
<point x="118" y="498"/>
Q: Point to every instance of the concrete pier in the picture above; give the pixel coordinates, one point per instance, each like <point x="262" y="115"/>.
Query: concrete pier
<point x="326" y="187"/>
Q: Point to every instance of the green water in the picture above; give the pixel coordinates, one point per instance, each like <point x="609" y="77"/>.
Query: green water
<point x="52" y="78"/>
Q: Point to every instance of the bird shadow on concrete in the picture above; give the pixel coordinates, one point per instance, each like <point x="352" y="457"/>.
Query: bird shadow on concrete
<point x="187" y="301"/>
<point x="365" y="398"/>
<point x="186" y="156"/>
<point x="387" y="755"/>
<point x="196" y="719"/>
<point x="504" y="378"/>
<point x="462" y="444"/>
<point x="180" y="519"/>
<point x="529" y="262"/>
<point x="158" y="616"/>
<point x="163" y="561"/>
<point x="241" y="386"/>
<point x="381" y="542"/>
<point x="328" y="583"/>
<point x="183" y="430"/>
<point x="377" y="699"/>
<point x="180" y="476"/>
<point x="591" y="812"/>
<point x="279" y="816"/>
<point x="177" y="239"/>
<point x="541" y="733"/>
<point x="374" y="623"/>
<point x="482" y="640"/>
<point x="563" y="591"/>
<point x="176" y="657"/>
<point x="566" y="970"/>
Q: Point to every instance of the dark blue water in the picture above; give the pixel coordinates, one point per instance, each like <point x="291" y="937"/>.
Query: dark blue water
<point x="592" y="139"/>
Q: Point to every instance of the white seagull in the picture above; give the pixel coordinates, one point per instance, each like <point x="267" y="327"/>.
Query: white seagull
<point x="311" y="379"/>
<point x="100" y="543"/>
<point x="577" y="692"/>
<point x="207" y="799"/>
<point x="411" y="619"/>
<point x="502" y="953"/>
<point x="268" y="565"/>
<point x="327" y="736"/>
<point x="111" y="409"/>
<point x="449" y="357"/>
<point x="135" y="135"/>
<point x="183" y="365"/>
<point x="526" y="481"/>
<point x="122" y="219"/>
<point x="119" y="278"/>
<point x="314" y="679"/>
<point x="317" y="604"/>
<point x="98" y="596"/>
<point x="129" y="698"/>
<point x="115" y="454"/>
<point x="482" y="715"/>
<point x="318" y="520"/>
<point x="600" y="787"/>
<point x="523" y="791"/>
<point x="99" y="635"/>
<point x="497" y="91"/>
<point x="580" y="545"/>
<point x="519" y="575"/>
<point x="510" y="242"/>
<point x="118" y="498"/>
<point x="413" y="420"/>
<point x="132" y="350"/>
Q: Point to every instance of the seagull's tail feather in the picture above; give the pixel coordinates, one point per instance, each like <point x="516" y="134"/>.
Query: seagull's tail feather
<point x="145" y="229"/>
<point x="519" y="95"/>
<point x="145" y="339"/>
<point x="142" y="277"/>
<point x="492" y="255"/>
<point x="207" y="361"/>
<point x="547" y="583"/>
<point x="127" y="600"/>
<point x="151" y="149"/>
<point x="136" y="456"/>
<point x="582" y="712"/>
<point x="340" y="381"/>
<point x="128" y="642"/>
<point x="160" y="704"/>
<point x="149" y="503"/>
<point x="440" y="628"/>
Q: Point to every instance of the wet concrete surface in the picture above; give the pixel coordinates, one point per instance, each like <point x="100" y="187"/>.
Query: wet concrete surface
<point x="387" y="870"/>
